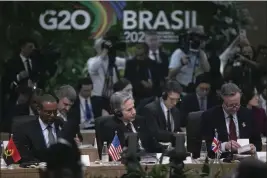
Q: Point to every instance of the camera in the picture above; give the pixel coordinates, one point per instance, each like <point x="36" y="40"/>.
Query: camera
<point x="113" y="43"/>
<point x="191" y="41"/>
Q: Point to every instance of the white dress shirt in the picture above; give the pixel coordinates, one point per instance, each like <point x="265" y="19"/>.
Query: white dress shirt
<point x="31" y="113"/>
<point x="227" y="121"/>
<point x="152" y="56"/>
<point x="97" y="68"/>
<point x="45" y="131"/>
<point x="165" y="111"/>
<point x="134" y="131"/>
<point x="84" y="122"/>
<point x="62" y="116"/>
<point x="188" y="72"/>
<point x="24" y="60"/>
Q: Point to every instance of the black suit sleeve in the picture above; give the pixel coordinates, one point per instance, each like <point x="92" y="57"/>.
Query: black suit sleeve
<point x="23" y="144"/>
<point x="151" y="122"/>
<point x="184" y="112"/>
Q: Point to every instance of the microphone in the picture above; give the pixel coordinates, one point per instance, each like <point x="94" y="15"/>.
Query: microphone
<point x="230" y="156"/>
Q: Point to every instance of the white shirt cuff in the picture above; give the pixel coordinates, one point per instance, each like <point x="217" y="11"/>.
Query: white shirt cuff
<point x="17" y="77"/>
<point x="223" y="146"/>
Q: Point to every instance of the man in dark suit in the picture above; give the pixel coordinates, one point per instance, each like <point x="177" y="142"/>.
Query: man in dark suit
<point x="162" y="116"/>
<point x="67" y="96"/>
<point x="124" y="121"/>
<point x="231" y="121"/>
<point x="34" y="137"/>
<point x="20" y="70"/>
<point x="83" y="108"/>
<point x="201" y="100"/>
<point x="157" y="54"/>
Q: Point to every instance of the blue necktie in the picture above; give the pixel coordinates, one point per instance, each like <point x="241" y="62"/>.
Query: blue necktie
<point x="87" y="111"/>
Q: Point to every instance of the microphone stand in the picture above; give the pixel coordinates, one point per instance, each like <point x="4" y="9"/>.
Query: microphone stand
<point x="230" y="156"/>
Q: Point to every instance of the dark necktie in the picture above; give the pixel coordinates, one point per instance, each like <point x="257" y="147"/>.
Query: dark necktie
<point x="87" y="111"/>
<point x="202" y="104"/>
<point x="51" y="138"/>
<point x="28" y="66"/>
<point x="232" y="129"/>
<point x="169" y="126"/>
<point x="129" y="127"/>
<point x="155" y="57"/>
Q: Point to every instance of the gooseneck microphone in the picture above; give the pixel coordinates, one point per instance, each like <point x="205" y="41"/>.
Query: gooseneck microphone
<point x="230" y="156"/>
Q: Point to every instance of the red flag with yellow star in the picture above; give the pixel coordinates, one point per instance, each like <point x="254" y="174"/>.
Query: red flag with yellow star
<point x="11" y="154"/>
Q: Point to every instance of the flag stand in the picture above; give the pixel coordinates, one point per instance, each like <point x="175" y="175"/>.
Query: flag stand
<point x="218" y="152"/>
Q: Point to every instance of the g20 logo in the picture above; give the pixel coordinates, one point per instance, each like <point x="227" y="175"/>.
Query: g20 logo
<point x="64" y="20"/>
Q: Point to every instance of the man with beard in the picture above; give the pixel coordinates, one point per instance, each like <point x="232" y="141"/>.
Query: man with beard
<point x="34" y="137"/>
<point x="66" y="96"/>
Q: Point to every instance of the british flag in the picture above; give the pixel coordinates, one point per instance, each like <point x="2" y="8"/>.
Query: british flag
<point x="215" y="146"/>
<point x="115" y="148"/>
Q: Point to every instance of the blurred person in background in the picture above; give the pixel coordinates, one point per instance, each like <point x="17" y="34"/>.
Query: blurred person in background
<point x="123" y="85"/>
<point x="104" y="71"/>
<point x="157" y="53"/>
<point x="142" y="72"/>
<point x="251" y="100"/>
<point x="190" y="59"/>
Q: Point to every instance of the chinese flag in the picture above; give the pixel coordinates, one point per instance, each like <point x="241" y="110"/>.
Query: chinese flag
<point x="11" y="154"/>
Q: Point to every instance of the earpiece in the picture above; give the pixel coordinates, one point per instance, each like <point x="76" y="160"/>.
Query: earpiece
<point x="164" y="95"/>
<point x="118" y="113"/>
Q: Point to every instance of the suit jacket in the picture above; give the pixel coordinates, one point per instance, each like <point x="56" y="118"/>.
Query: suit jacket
<point x="76" y="111"/>
<point x="138" y="70"/>
<point x="214" y="119"/>
<point x="13" y="67"/>
<point x="190" y="103"/>
<point x="164" y="66"/>
<point x="113" y="124"/>
<point x="156" y="121"/>
<point x="30" y="141"/>
<point x="62" y="123"/>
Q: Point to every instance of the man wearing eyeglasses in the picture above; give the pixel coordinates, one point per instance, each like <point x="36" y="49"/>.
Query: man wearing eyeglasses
<point x="201" y="100"/>
<point x="34" y="137"/>
<point x="162" y="115"/>
<point x="231" y="121"/>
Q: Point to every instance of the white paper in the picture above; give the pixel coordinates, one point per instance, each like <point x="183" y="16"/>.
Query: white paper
<point x="243" y="142"/>
<point x="243" y="149"/>
<point x="188" y="160"/>
<point x="261" y="156"/>
<point x="85" y="160"/>
<point x="165" y="160"/>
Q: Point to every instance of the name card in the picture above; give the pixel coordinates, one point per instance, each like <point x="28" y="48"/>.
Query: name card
<point x="85" y="159"/>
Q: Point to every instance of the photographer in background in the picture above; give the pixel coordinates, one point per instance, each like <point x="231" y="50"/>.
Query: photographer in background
<point x="189" y="60"/>
<point x="103" y="70"/>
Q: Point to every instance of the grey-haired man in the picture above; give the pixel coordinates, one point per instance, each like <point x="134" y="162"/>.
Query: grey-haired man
<point x="231" y="121"/>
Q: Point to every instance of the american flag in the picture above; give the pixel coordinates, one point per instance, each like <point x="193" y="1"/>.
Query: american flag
<point x="115" y="148"/>
<point x="215" y="146"/>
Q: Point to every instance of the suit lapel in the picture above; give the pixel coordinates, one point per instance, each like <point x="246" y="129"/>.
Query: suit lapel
<point x="195" y="102"/>
<point x="38" y="135"/>
<point x="161" y="116"/>
<point x="241" y="124"/>
<point x="221" y="125"/>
